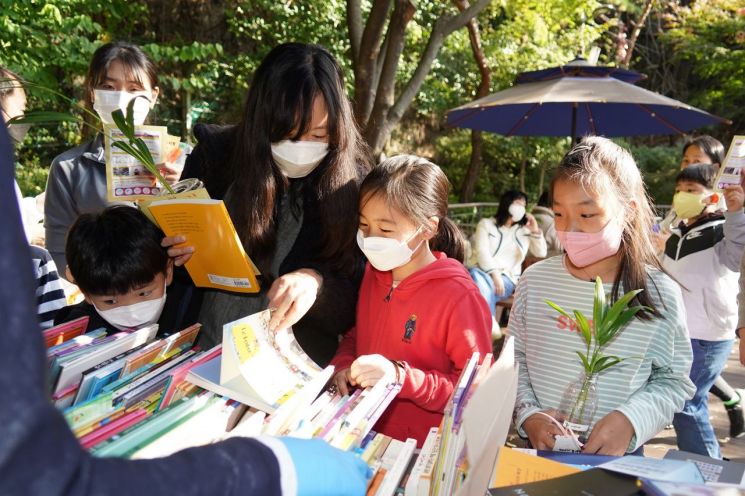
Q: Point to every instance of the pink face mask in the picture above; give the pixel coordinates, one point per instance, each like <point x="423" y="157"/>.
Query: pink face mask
<point x="584" y="249"/>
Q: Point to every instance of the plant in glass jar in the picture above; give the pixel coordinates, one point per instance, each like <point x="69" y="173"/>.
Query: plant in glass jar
<point x="580" y="398"/>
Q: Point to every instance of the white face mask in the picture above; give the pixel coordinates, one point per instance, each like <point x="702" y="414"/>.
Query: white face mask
<point x="134" y="316"/>
<point x="298" y="158"/>
<point x="105" y="102"/>
<point x="386" y="253"/>
<point x="517" y="212"/>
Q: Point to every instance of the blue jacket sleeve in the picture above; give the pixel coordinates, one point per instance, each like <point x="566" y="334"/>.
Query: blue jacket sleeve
<point x="39" y="454"/>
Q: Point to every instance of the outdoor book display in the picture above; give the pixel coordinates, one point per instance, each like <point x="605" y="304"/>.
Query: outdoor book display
<point x="131" y="395"/>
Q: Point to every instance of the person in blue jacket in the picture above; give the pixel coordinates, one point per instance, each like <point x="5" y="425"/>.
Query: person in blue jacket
<point x="40" y="455"/>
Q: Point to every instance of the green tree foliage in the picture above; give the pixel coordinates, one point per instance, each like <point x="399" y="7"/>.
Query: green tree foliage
<point x="207" y="51"/>
<point x="707" y="41"/>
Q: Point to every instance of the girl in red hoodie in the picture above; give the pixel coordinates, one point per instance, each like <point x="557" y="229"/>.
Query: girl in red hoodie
<point x="420" y="317"/>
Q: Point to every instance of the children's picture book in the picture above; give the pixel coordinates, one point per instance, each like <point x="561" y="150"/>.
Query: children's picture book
<point x="731" y="170"/>
<point x="66" y="331"/>
<point x="259" y="367"/>
<point x="219" y="260"/>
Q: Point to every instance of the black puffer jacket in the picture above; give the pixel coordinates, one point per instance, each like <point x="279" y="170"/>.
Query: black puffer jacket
<point x="333" y="313"/>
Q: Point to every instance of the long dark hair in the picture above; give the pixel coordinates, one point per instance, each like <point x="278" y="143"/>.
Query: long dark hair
<point x="279" y="106"/>
<point x="503" y="211"/>
<point x="137" y="66"/>
<point x="602" y="167"/>
<point x="712" y="147"/>
<point x="419" y="190"/>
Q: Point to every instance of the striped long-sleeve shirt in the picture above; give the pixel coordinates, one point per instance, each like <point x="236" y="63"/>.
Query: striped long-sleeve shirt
<point x="50" y="296"/>
<point x="648" y="388"/>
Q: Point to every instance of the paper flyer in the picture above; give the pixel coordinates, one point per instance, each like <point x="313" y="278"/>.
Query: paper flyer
<point x="731" y="171"/>
<point x="127" y="179"/>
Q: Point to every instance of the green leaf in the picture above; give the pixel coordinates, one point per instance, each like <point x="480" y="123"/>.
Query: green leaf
<point x="583" y="326"/>
<point x="558" y="309"/>
<point x="607" y="323"/>
<point x="605" y="362"/>
<point x="585" y="363"/>
<point x="620" y="322"/>
<point x="129" y="149"/>
<point x="598" y="307"/>
<point x="121" y="122"/>
<point x="38" y="117"/>
<point x="145" y="151"/>
<point x="131" y="115"/>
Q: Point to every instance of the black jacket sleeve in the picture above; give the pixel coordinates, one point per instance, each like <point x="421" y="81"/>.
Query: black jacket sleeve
<point x="210" y="159"/>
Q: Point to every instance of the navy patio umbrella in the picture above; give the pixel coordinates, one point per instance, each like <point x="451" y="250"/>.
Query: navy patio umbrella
<point x="585" y="102"/>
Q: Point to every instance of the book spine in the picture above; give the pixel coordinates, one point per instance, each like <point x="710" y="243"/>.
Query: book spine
<point x="396" y="472"/>
<point x="421" y="460"/>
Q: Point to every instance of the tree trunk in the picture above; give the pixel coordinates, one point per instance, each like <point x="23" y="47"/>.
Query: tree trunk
<point x="523" y="166"/>
<point x="377" y="108"/>
<point x="477" y="140"/>
<point x="541" y="179"/>
<point x="638" y="25"/>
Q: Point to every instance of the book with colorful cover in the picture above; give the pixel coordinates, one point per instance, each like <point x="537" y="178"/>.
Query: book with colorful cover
<point x="219" y="260"/>
<point x="64" y="332"/>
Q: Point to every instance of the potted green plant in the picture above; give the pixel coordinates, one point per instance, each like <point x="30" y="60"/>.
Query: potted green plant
<point x="579" y="402"/>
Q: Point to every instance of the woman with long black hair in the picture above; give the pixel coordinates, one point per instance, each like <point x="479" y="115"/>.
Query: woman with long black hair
<point x="500" y="246"/>
<point x="289" y="173"/>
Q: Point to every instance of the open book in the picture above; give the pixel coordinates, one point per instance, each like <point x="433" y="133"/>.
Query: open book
<point x="219" y="260"/>
<point x="260" y="367"/>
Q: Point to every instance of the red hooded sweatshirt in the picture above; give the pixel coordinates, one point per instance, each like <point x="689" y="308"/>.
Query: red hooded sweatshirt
<point x="432" y="322"/>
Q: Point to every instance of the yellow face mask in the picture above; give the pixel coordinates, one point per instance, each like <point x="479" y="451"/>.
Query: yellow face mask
<point x="689" y="205"/>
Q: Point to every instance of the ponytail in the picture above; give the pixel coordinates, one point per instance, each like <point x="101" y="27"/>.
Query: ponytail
<point x="449" y="240"/>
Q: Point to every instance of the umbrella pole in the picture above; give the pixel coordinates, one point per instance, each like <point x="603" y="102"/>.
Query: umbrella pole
<point x="574" y="123"/>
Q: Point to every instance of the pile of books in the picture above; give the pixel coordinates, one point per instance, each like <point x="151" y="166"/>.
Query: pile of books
<point x="131" y="395"/>
<point x="126" y="385"/>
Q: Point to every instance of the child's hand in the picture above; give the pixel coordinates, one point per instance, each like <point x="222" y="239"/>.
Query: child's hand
<point x="498" y="282"/>
<point x="179" y="255"/>
<point x="532" y="224"/>
<point x="541" y="431"/>
<point x="292" y="295"/>
<point x="610" y="436"/>
<point x="367" y="370"/>
<point x="342" y="380"/>
<point x="734" y="197"/>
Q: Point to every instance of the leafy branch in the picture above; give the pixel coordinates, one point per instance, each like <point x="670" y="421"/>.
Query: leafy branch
<point x="608" y="321"/>
<point x="46" y="117"/>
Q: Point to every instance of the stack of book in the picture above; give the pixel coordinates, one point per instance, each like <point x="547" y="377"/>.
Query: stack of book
<point x="130" y="395"/>
<point x="126" y="385"/>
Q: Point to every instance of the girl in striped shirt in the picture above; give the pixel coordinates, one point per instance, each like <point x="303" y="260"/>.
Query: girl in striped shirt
<point x="604" y="223"/>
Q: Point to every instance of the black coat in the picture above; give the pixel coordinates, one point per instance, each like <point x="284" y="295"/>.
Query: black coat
<point x="333" y="313"/>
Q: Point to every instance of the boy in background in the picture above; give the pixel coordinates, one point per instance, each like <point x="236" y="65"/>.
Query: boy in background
<point x="703" y="254"/>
